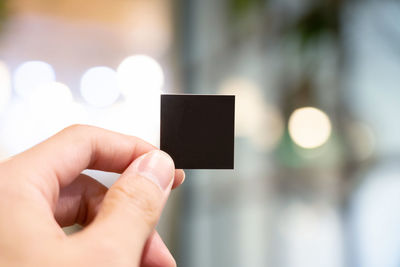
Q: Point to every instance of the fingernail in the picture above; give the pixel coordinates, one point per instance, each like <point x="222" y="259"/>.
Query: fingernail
<point x="156" y="166"/>
<point x="183" y="175"/>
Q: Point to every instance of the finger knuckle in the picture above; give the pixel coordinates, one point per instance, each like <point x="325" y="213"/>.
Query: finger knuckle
<point x="76" y="128"/>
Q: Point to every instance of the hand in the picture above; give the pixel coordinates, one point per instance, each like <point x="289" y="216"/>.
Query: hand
<point x="42" y="190"/>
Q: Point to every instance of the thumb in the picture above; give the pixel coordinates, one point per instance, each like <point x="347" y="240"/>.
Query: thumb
<point x="133" y="205"/>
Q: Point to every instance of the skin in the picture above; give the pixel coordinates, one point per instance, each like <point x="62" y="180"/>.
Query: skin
<point x="43" y="190"/>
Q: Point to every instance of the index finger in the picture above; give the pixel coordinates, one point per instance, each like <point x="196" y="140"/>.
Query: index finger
<point x="57" y="161"/>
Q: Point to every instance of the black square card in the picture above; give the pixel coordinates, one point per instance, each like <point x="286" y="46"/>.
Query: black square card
<point x="197" y="131"/>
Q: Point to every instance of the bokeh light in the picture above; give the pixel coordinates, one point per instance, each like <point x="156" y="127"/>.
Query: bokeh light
<point x="140" y="76"/>
<point x="99" y="86"/>
<point x="31" y="74"/>
<point x="5" y="86"/>
<point x="254" y="118"/>
<point x="53" y="94"/>
<point x="128" y="118"/>
<point x="248" y="104"/>
<point x="270" y="128"/>
<point x="51" y="108"/>
<point x="309" y="127"/>
<point x="47" y="110"/>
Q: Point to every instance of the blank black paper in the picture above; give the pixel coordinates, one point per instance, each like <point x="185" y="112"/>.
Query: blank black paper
<point x="197" y="131"/>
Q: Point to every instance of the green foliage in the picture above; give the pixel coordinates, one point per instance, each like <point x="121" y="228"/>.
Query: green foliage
<point x="322" y="19"/>
<point x="239" y="8"/>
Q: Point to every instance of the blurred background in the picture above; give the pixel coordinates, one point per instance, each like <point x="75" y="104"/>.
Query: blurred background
<point x="317" y="173"/>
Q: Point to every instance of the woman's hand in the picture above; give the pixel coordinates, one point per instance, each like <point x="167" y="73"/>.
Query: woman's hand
<point x="42" y="190"/>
